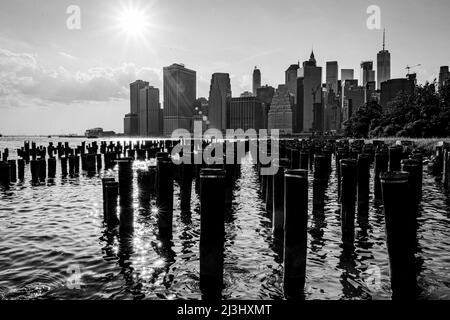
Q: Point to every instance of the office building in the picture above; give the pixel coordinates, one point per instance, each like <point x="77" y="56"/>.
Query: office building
<point x="392" y="88"/>
<point x="219" y="97"/>
<point x="347" y="74"/>
<point x="367" y="72"/>
<point x="383" y="64"/>
<point x="265" y="95"/>
<point x="256" y="80"/>
<point x="280" y="114"/>
<point x="131" y="125"/>
<point x="149" y="112"/>
<point x="179" y="97"/>
<point x="245" y="113"/>
<point x="444" y="76"/>
<point x="312" y="92"/>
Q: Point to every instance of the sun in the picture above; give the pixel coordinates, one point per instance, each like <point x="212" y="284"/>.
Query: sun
<point x="133" y="21"/>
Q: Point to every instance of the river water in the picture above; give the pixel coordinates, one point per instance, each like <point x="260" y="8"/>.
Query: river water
<point x="53" y="245"/>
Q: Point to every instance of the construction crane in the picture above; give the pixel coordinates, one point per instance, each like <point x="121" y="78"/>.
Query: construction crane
<point x="411" y="67"/>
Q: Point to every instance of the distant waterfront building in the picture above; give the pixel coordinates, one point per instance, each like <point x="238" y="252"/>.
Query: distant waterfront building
<point x="179" y="96"/>
<point x="280" y="114"/>
<point x="219" y="97"/>
<point x="347" y="74"/>
<point x="149" y="112"/>
<point x="383" y="64"/>
<point x="444" y="76"/>
<point x="392" y="88"/>
<point x="291" y="75"/>
<point x="245" y="113"/>
<point x="99" y="132"/>
<point x="312" y="92"/>
<point x="265" y="95"/>
<point x="131" y="125"/>
<point x="367" y="72"/>
<point x="256" y="80"/>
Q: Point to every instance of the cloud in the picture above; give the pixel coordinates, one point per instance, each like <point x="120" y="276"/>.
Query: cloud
<point x="66" y="55"/>
<point x="22" y="77"/>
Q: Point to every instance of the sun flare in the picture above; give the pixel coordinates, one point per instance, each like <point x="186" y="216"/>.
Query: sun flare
<point x="133" y="21"/>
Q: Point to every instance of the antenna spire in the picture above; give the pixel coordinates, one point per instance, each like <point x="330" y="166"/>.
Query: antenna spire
<point x="384" y="39"/>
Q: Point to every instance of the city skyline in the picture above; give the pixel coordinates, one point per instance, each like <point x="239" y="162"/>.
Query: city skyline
<point x="68" y="78"/>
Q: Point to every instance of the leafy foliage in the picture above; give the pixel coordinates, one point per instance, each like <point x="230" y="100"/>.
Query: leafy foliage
<point x="422" y="114"/>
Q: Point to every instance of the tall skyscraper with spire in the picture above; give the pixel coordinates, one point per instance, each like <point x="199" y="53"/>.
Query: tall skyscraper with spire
<point x="312" y="94"/>
<point x="383" y="64"/>
<point x="256" y="80"/>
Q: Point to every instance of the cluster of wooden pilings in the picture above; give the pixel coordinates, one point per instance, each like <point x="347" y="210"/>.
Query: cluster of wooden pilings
<point x="397" y="185"/>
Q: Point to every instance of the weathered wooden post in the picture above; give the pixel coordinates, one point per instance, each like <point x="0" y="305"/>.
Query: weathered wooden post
<point x="5" y="173"/>
<point x="278" y="202"/>
<point x="90" y="163"/>
<point x="212" y="232"/>
<point x="64" y="166"/>
<point x="105" y="181"/>
<point x="42" y="169"/>
<point x="415" y="170"/>
<point x="381" y="166"/>
<point x="34" y="167"/>
<point x="21" y="169"/>
<point x="187" y="174"/>
<point x="395" y="158"/>
<point x="295" y="231"/>
<point x="348" y="199"/>
<point x="111" y="193"/>
<point x="13" y="169"/>
<point x="320" y="182"/>
<point x="363" y="183"/>
<point x="165" y="197"/>
<point x="400" y="234"/>
<point x="51" y="168"/>
<point x="126" y="227"/>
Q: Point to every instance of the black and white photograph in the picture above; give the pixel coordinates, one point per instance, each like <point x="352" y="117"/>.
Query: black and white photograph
<point x="225" y="158"/>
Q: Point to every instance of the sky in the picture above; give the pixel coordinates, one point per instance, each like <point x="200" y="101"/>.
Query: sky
<point x="56" y="80"/>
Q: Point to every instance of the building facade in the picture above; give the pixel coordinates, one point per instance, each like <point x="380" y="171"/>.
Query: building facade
<point x="180" y="92"/>
<point x="256" y="80"/>
<point x="219" y="98"/>
<point x="367" y="72"/>
<point x="444" y="76"/>
<point x="312" y="91"/>
<point x="383" y="64"/>
<point x="149" y="112"/>
<point x="347" y="74"/>
<point x="392" y="88"/>
<point x="280" y="114"/>
<point x="245" y="113"/>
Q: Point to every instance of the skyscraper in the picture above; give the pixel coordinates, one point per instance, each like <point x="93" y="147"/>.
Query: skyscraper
<point x="280" y="114"/>
<point x="131" y="121"/>
<point x="331" y="89"/>
<point x="219" y="97"/>
<point x="312" y="91"/>
<point x="245" y="113"/>
<point x="367" y="72"/>
<point x="332" y="75"/>
<point x="291" y="76"/>
<point x="383" y="64"/>
<point x="149" y="112"/>
<point x="179" y="97"/>
<point x="256" y="80"/>
<point x="347" y="74"/>
<point x="444" y="76"/>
